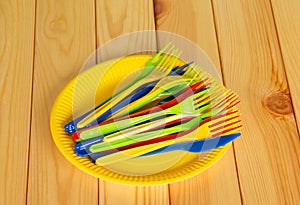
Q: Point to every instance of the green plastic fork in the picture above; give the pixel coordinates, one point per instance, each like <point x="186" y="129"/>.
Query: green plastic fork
<point x="169" y="85"/>
<point x="185" y="107"/>
<point x="194" y="135"/>
<point x="107" y="145"/>
<point x="127" y="140"/>
<point x="154" y="70"/>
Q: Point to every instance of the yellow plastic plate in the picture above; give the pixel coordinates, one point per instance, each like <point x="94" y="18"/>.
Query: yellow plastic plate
<point x="95" y="85"/>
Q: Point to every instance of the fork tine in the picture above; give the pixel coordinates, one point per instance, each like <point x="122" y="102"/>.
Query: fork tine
<point x="180" y="70"/>
<point x="230" y="114"/>
<point x="228" y="96"/>
<point x="207" y="98"/>
<point x="169" y="63"/>
<point x="226" y="123"/>
<point x="218" y="95"/>
<point x="226" y="115"/>
<point x="189" y="71"/>
<point x="221" y="101"/>
<point x="199" y="94"/>
<point x="232" y="129"/>
<point x="235" y="116"/>
<point x="233" y="104"/>
<point x="199" y="71"/>
<point x="158" y="56"/>
<point x="165" y="56"/>
<point x="228" y="102"/>
<point x="206" y="109"/>
<point x="202" y="74"/>
<point x="223" y="107"/>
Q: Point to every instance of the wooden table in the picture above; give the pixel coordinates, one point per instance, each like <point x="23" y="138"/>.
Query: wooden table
<point x="255" y="44"/>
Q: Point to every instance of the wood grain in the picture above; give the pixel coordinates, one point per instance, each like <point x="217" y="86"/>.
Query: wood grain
<point x="287" y="17"/>
<point x="268" y="153"/>
<point x="258" y="42"/>
<point x="115" y="18"/>
<point x="111" y="193"/>
<point x="16" y="63"/>
<point x="219" y="183"/>
<point x="65" y="36"/>
<point x="124" y="27"/>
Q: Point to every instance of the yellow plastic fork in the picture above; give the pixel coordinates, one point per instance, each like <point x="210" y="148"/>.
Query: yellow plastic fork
<point x="161" y="87"/>
<point x="204" y="131"/>
<point x="163" y="68"/>
<point x="190" y="107"/>
<point x="168" y="84"/>
<point x="141" y="128"/>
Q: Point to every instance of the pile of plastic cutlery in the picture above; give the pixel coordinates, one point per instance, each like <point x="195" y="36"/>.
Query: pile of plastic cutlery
<point x="158" y="112"/>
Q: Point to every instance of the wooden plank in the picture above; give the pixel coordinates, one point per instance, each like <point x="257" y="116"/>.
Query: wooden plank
<point x="16" y="63"/>
<point x="268" y="153"/>
<point x="111" y="193"/>
<point x="132" y="20"/>
<point x="287" y="17"/>
<point x="194" y="20"/>
<point x="115" y="18"/>
<point x="65" y="36"/>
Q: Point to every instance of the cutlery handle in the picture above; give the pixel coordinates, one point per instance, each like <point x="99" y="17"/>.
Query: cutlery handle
<point x="120" y="105"/>
<point x="104" y="146"/>
<point x="91" y="119"/>
<point x="107" y="145"/>
<point x="72" y="126"/>
<point x="180" y="96"/>
<point x="82" y="147"/>
<point x="119" y="125"/>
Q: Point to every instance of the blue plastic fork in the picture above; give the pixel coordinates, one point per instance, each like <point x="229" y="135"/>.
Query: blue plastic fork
<point x="71" y="126"/>
<point x="141" y="91"/>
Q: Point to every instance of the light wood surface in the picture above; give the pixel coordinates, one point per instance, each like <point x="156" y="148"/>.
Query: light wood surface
<point x="254" y="44"/>
<point x="16" y="63"/>
<point x="268" y="153"/>
<point x="65" y="36"/>
<point x="288" y="28"/>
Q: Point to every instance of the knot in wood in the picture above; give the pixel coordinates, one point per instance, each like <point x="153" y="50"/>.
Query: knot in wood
<point x="279" y="103"/>
<point x="159" y="8"/>
<point x="58" y="25"/>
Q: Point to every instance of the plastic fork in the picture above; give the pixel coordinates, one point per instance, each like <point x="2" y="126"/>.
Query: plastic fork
<point x="176" y="98"/>
<point x="149" y="67"/>
<point x="186" y="107"/>
<point x="162" y="69"/>
<point x="82" y="147"/>
<point x="123" y="140"/>
<point x="114" y="156"/>
<point x="161" y="87"/>
<point x="230" y="116"/>
<point x="168" y="86"/>
<point x="204" y="145"/>
<point x="187" y="104"/>
<point x="229" y="126"/>
<point x="180" y="96"/>
<point x="144" y="89"/>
